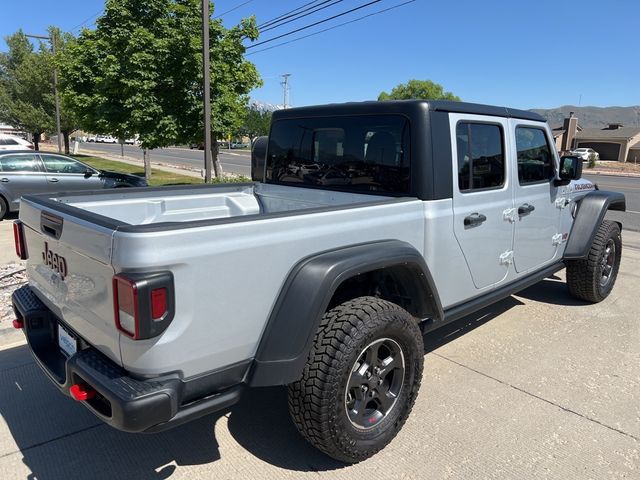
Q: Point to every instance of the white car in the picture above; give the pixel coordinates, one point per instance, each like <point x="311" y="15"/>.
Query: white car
<point x="585" y="153"/>
<point x="12" y="142"/>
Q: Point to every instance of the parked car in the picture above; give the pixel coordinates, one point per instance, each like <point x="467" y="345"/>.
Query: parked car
<point x="24" y="173"/>
<point x="344" y="278"/>
<point x="106" y="139"/>
<point x="13" y="142"/>
<point x="585" y="153"/>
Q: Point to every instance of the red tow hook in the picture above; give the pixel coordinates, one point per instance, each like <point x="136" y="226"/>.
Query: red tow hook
<point x="18" y="324"/>
<point x="81" y="392"/>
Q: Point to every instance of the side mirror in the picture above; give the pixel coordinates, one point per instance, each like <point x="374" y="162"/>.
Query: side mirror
<point x="88" y="173"/>
<point x="258" y="158"/>
<point x="570" y="169"/>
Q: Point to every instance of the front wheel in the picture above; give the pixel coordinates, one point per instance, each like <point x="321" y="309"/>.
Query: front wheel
<point x="592" y="278"/>
<point x="361" y="379"/>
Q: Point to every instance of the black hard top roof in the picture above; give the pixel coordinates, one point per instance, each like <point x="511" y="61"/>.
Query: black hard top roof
<point x="407" y="107"/>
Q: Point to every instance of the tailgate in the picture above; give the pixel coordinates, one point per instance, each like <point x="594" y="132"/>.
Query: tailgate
<point x="69" y="269"/>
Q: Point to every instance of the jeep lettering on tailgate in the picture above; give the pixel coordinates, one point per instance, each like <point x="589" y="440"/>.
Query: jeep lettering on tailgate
<point x="57" y="262"/>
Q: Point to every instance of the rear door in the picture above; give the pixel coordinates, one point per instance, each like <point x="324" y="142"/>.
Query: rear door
<point x="482" y="195"/>
<point x="65" y="174"/>
<point x="20" y="174"/>
<point x="538" y="214"/>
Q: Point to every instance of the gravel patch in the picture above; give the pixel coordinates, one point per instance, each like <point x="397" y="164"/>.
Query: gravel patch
<point x="12" y="276"/>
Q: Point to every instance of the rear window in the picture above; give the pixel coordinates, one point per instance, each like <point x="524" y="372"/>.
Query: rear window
<point x="353" y="153"/>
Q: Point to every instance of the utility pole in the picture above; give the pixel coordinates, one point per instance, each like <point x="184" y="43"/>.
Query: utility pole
<point x="55" y="85"/>
<point x="208" y="162"/>
<point x="285" y="86"/>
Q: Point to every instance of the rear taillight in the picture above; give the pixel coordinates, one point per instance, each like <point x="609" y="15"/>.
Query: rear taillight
<point x="143" y="303"/>
<point x="18" y="237"/>
<point x="126" y="306"/>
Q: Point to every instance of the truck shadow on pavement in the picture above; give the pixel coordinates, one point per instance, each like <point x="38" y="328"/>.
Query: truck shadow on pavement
<point x="56" y="438"/>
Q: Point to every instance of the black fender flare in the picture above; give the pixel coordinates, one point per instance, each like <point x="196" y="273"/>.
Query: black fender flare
<point x="306" y="293"/>
<point x="588" y="217"/>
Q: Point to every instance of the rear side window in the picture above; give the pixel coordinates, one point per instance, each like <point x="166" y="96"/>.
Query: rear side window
<point x="366" y="153"/>
<point x="534" y="156"/>
<point x="480" y="156"/>
<point x="19" y="163"/>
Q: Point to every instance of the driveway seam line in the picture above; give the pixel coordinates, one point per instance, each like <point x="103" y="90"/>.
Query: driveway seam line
<point x="17" y="366"/>
<point x="568" y="410"/>
<point x="40" y="444"/>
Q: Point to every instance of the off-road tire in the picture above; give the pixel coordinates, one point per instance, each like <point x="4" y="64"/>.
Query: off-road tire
<point x="4" y="207"/>
<point x="318" y="401"/>
<point x="584" y="276"/>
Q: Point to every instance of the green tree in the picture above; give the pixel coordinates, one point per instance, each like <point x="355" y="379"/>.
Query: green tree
<point x="69" y="121"/>
<point x="140" y="72"/>
<point x="421" y="89"/>
<point x="256" y="123"/>
<point x="26" y="86"/>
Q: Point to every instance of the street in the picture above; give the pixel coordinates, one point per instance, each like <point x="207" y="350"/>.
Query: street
<point x="233" y="161"/>
<point x="630" y="186"/>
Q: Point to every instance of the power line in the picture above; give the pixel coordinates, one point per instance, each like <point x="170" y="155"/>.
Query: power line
<point x="86" y="20"/>
<point x="300" y="14"/>
<point x="232" y="9"/>
<point x="331" y="28"/>
<point x="313" y="24"/>
<point x="268" y="22"/>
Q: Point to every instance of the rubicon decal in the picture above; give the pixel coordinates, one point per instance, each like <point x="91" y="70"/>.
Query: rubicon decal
<point x="57" y="262"/>
<point x="583" y="186"/>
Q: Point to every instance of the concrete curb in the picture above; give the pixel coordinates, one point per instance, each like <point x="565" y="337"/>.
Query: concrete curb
<point x="610" y="174"/>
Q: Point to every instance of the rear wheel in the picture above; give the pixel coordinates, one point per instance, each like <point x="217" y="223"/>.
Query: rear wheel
<point x="361" y="379"/>
<point x="592" y="278"/>
<point x="4" y="207"/>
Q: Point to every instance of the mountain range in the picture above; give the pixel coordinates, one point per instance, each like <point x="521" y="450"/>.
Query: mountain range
<point x="592" y="117"/>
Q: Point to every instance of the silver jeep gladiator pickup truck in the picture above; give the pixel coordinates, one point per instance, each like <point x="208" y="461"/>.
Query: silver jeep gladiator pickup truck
<point x="370" y="225"/>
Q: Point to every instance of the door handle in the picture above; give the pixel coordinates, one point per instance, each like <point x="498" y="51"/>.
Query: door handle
<point x="4" y="180"/>
<point x="53" y="180"/>
<point x="474" y="220"/>
<point x="525" y="209"/>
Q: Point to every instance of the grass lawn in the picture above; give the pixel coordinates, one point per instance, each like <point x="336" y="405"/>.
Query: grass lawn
<point x="158" y="177"/>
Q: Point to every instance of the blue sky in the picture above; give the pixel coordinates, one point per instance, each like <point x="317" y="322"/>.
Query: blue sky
<point x="522" y="54"/>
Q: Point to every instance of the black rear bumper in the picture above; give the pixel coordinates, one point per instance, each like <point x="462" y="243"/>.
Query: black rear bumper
<point x="122" y="401"/>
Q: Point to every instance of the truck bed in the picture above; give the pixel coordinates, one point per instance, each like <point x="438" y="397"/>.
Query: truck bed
<point x="229" y="248"/>
<point x="179" y="204"/>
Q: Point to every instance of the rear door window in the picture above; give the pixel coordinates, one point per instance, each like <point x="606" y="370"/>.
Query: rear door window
<point x="19" y="163"/>
<point x="480" y="156"/>
<point x="366" y="153"/>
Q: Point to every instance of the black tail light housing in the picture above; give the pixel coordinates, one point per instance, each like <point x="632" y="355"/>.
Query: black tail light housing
<point x="143" y="303"/>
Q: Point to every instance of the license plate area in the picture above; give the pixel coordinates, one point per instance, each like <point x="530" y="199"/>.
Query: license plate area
<point x="67" y="342"/>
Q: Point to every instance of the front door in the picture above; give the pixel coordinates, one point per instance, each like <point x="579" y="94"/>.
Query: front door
<point x="482" y="195"/>
<point x="538" y="215"/>
<point x="65" y="174"/>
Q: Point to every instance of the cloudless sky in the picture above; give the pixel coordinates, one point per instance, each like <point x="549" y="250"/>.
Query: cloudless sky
<point x="523" y="54"/>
